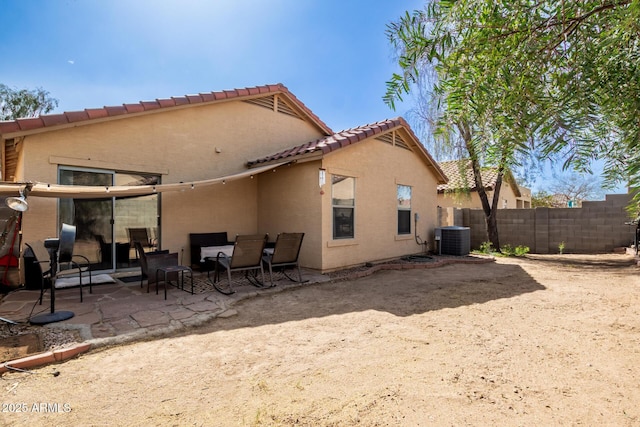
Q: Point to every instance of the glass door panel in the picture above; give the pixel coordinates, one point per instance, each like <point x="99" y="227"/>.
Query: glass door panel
<point x="103" y="225"/>
<point x="92" y="218"/>
<point x="138" y="215"/>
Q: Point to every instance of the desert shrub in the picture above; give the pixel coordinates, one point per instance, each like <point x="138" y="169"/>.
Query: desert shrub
<point x="519" y="250"/>
<point x="486" y="248"/>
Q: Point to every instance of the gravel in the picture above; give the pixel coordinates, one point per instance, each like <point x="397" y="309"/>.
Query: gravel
<point x="53" y="338"/>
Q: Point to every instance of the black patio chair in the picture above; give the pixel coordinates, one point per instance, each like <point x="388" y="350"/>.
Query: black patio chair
<point x="151" y="261"/>
<point x="247" y="257"/>
<point x="65" y="266"/>
<point x="284" y="255"/>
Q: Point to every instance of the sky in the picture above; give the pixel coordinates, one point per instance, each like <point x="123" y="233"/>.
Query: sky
<point x="333" y="55"/>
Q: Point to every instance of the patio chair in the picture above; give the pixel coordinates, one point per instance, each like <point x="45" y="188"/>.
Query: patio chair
<point x="284" y="255"/>
<point x="247" y="257"/>
<point x="140" y="235"/>
<point x="151" y="261"/>
<point x="66" y="267"/>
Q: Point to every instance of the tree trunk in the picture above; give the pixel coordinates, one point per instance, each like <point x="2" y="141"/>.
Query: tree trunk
<point x="490" y="209"/>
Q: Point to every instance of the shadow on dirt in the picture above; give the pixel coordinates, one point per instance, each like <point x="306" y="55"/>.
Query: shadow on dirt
<point x="587" y="262"/>
<point x="401" y="293"/>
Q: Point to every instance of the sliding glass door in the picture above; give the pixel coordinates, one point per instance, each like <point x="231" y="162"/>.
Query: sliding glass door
<point x="103" y="225"/>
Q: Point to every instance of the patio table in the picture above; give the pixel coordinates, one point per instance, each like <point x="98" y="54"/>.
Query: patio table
<point x="180" y="270"/>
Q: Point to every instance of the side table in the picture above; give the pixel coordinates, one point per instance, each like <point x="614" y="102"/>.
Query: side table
<point x="164" y="272"/>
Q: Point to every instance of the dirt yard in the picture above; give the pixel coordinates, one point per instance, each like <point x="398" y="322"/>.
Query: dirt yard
<point x="547" y="340"/>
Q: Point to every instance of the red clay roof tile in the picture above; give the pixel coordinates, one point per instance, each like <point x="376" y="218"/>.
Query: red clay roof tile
<point x="134" y="108"/>
<point x="460" y="174"/>
<point x="89" y="114"/>
<point x="76" y="116"/>
<point x="31" y="123"/>
<point x="9" y="127"/>
<point x="207" y="97"/>
<point x="194" y="99"/>
<point x="96" y="113"/>
<point x="116" y="110"/>
<point x="150" y="105"/>
<point x="166" y="102"/>
<point x="352" y="136"/>
<point x="54" y="119"/>
<point x="180" y="100"/>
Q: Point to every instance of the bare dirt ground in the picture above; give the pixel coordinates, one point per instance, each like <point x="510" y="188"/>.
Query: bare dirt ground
<point x="546" y="340"/>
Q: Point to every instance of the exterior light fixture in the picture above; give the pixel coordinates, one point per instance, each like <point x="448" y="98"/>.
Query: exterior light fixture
<point x="19" y="203"/>
<point x="322" y="177"/>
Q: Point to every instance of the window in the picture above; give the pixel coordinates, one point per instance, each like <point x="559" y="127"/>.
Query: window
<point x="404" y="209"/>
<point x="343" y="190"/>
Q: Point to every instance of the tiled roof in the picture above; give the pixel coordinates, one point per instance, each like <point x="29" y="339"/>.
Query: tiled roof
<point x="348" y="137"/>
<point x="19" y="126"/>
<point x="460" y="174"/>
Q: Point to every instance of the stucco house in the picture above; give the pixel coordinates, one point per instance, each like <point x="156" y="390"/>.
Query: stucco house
<point x="461" y="192"/>
<point x="244" y="161"/>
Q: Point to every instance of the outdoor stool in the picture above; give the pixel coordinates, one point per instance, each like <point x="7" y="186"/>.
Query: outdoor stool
<point x="164" y="272"/>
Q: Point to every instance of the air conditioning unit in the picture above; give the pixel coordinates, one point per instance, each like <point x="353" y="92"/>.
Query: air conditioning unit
<point x="454" y="240"/>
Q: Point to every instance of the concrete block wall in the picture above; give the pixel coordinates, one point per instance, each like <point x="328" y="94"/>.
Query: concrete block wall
<point x="596" y="227"/>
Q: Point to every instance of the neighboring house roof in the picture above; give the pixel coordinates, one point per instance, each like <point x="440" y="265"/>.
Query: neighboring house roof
<point x="23" y="126"/>
<point x="460" y="174"/>
<point x="352" y="136"/>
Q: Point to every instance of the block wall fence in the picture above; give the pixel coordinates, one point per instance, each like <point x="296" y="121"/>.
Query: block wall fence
<point x="596" y="227"/>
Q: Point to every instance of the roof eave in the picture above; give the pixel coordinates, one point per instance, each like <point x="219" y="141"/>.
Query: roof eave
<point x="53" y="122"/>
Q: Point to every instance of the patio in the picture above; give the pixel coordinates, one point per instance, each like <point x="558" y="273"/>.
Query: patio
<point x="124" y="311"/>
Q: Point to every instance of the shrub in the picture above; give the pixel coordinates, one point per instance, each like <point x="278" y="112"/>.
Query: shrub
<point x="519" y="250"/>
<point x="485" y="248"/>
<point x="507" y="250"/>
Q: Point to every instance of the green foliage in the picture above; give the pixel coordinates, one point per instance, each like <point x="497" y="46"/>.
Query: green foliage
<point x="21" y="103"/>
<point x="561" y="248"/>
<point x="518" y="251"/>
<point x="486" y="248"/>
<point x="511" y="78"/>
<point x="541" y="199"/>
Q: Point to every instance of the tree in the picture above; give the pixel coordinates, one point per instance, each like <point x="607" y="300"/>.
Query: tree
<point x="481" y="114"/>
<point x="16" y="104"/>
<point x="523" y="76"/>
<point x="577" y="187"/>
<point x="541" y="199"/>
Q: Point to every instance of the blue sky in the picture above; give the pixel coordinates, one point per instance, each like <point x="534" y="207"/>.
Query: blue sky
<point x="333" y="55"/>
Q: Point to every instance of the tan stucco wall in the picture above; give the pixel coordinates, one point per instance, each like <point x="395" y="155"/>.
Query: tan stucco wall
<point x="289" y="200"/>
<point x="181" y="146"/>
<point x="378" y="168"/>
<point x="472" y="200"/>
